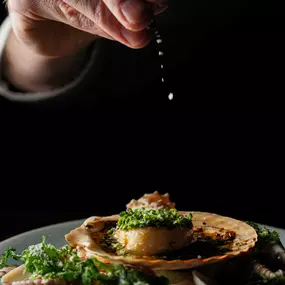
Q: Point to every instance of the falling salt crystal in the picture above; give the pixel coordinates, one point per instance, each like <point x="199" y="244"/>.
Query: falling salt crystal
<point x="161" y="53"/>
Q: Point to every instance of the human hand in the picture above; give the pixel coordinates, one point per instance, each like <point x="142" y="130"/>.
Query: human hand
<point x="57" y="28"/>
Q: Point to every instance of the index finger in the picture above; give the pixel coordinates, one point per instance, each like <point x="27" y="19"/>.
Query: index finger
<point x="134" y="15"/>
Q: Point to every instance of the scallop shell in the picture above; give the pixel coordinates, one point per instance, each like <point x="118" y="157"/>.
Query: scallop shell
<point x="19" y="276"/>
<point x="152" y="201"/>
<point x="86" y="238"/>
<point x="16" y="275"/>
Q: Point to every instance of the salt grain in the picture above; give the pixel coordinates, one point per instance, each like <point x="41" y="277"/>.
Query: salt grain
<point x="170" y="96"/>
<point x="160" y="53"/>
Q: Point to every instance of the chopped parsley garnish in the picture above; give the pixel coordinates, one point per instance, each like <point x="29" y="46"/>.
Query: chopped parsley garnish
<point x="109" y="242"/>
<point x="10" y="253"/>
<point x="142" y="217"/>
<point x="45" y="261"/>
<point x="262" y="280"/>
<point x="280" y="280"/>
<point x="265" y="236"/>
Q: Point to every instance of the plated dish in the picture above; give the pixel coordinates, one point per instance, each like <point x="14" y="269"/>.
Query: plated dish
<point x="151" y="242"/>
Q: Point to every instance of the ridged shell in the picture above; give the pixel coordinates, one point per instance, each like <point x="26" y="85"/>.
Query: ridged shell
<point x="5" y="270"/>
<point x="17" y="274"/>
<point x="86" y="241"/>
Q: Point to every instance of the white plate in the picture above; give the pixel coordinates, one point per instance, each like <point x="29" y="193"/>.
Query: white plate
<point x="55" y="235"/>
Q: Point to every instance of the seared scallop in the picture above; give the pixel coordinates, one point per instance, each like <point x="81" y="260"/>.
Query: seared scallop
<point x="150" y="241"/>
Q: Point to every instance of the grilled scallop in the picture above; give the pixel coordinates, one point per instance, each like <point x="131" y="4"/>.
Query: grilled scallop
<point x="151" y="241"/>
<point x="90" y="241"/>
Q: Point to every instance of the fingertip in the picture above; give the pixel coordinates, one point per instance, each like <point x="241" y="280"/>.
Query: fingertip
<point x="136" y="15"/>
<point x="136" y="40"/>
<point x="142" y="44"/>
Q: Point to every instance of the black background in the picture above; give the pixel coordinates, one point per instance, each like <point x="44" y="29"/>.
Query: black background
<point x="226" y="163"/>
<point x="229" y="162"/>
<point x="219" y="56"/>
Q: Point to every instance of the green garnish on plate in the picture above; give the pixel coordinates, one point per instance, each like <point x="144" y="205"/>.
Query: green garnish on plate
<point x="265" y="236"/>
<point x="45" y="261"/>
<point x="142" y="217"/>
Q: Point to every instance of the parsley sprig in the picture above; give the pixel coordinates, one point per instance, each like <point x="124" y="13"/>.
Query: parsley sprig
<point x="265" y="236"/>
<point x="45" y="261"/>
<point x="280" y="280"/>
<point x="142" y="217"/>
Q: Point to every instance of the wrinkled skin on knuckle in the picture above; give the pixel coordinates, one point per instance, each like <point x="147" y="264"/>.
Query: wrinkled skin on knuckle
<point x="104" y="20"/>
<point x="74" y="18"/>
<point x="98" y="13"/>
<point x="82" y="22"/>
<point x="77" y="2"/>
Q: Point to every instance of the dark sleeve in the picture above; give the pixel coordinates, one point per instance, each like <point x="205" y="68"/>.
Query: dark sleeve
<point x="83" y="80"/>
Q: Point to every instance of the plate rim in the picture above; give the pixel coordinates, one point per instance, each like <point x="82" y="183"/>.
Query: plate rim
<point x="44" y="228"/>
<point x="66" y="223"/>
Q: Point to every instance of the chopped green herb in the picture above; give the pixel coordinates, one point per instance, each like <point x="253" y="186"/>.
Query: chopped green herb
<point x="280" y="280"/>
<point x="45" y="261"/>
<point x="275" y="281"/>
<point x="111" y="231"/>
<point x="110" y="242"/>
<point x="10" y="253"/>
<point x="142" y="217"/>
<point x="265" y="235"/>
